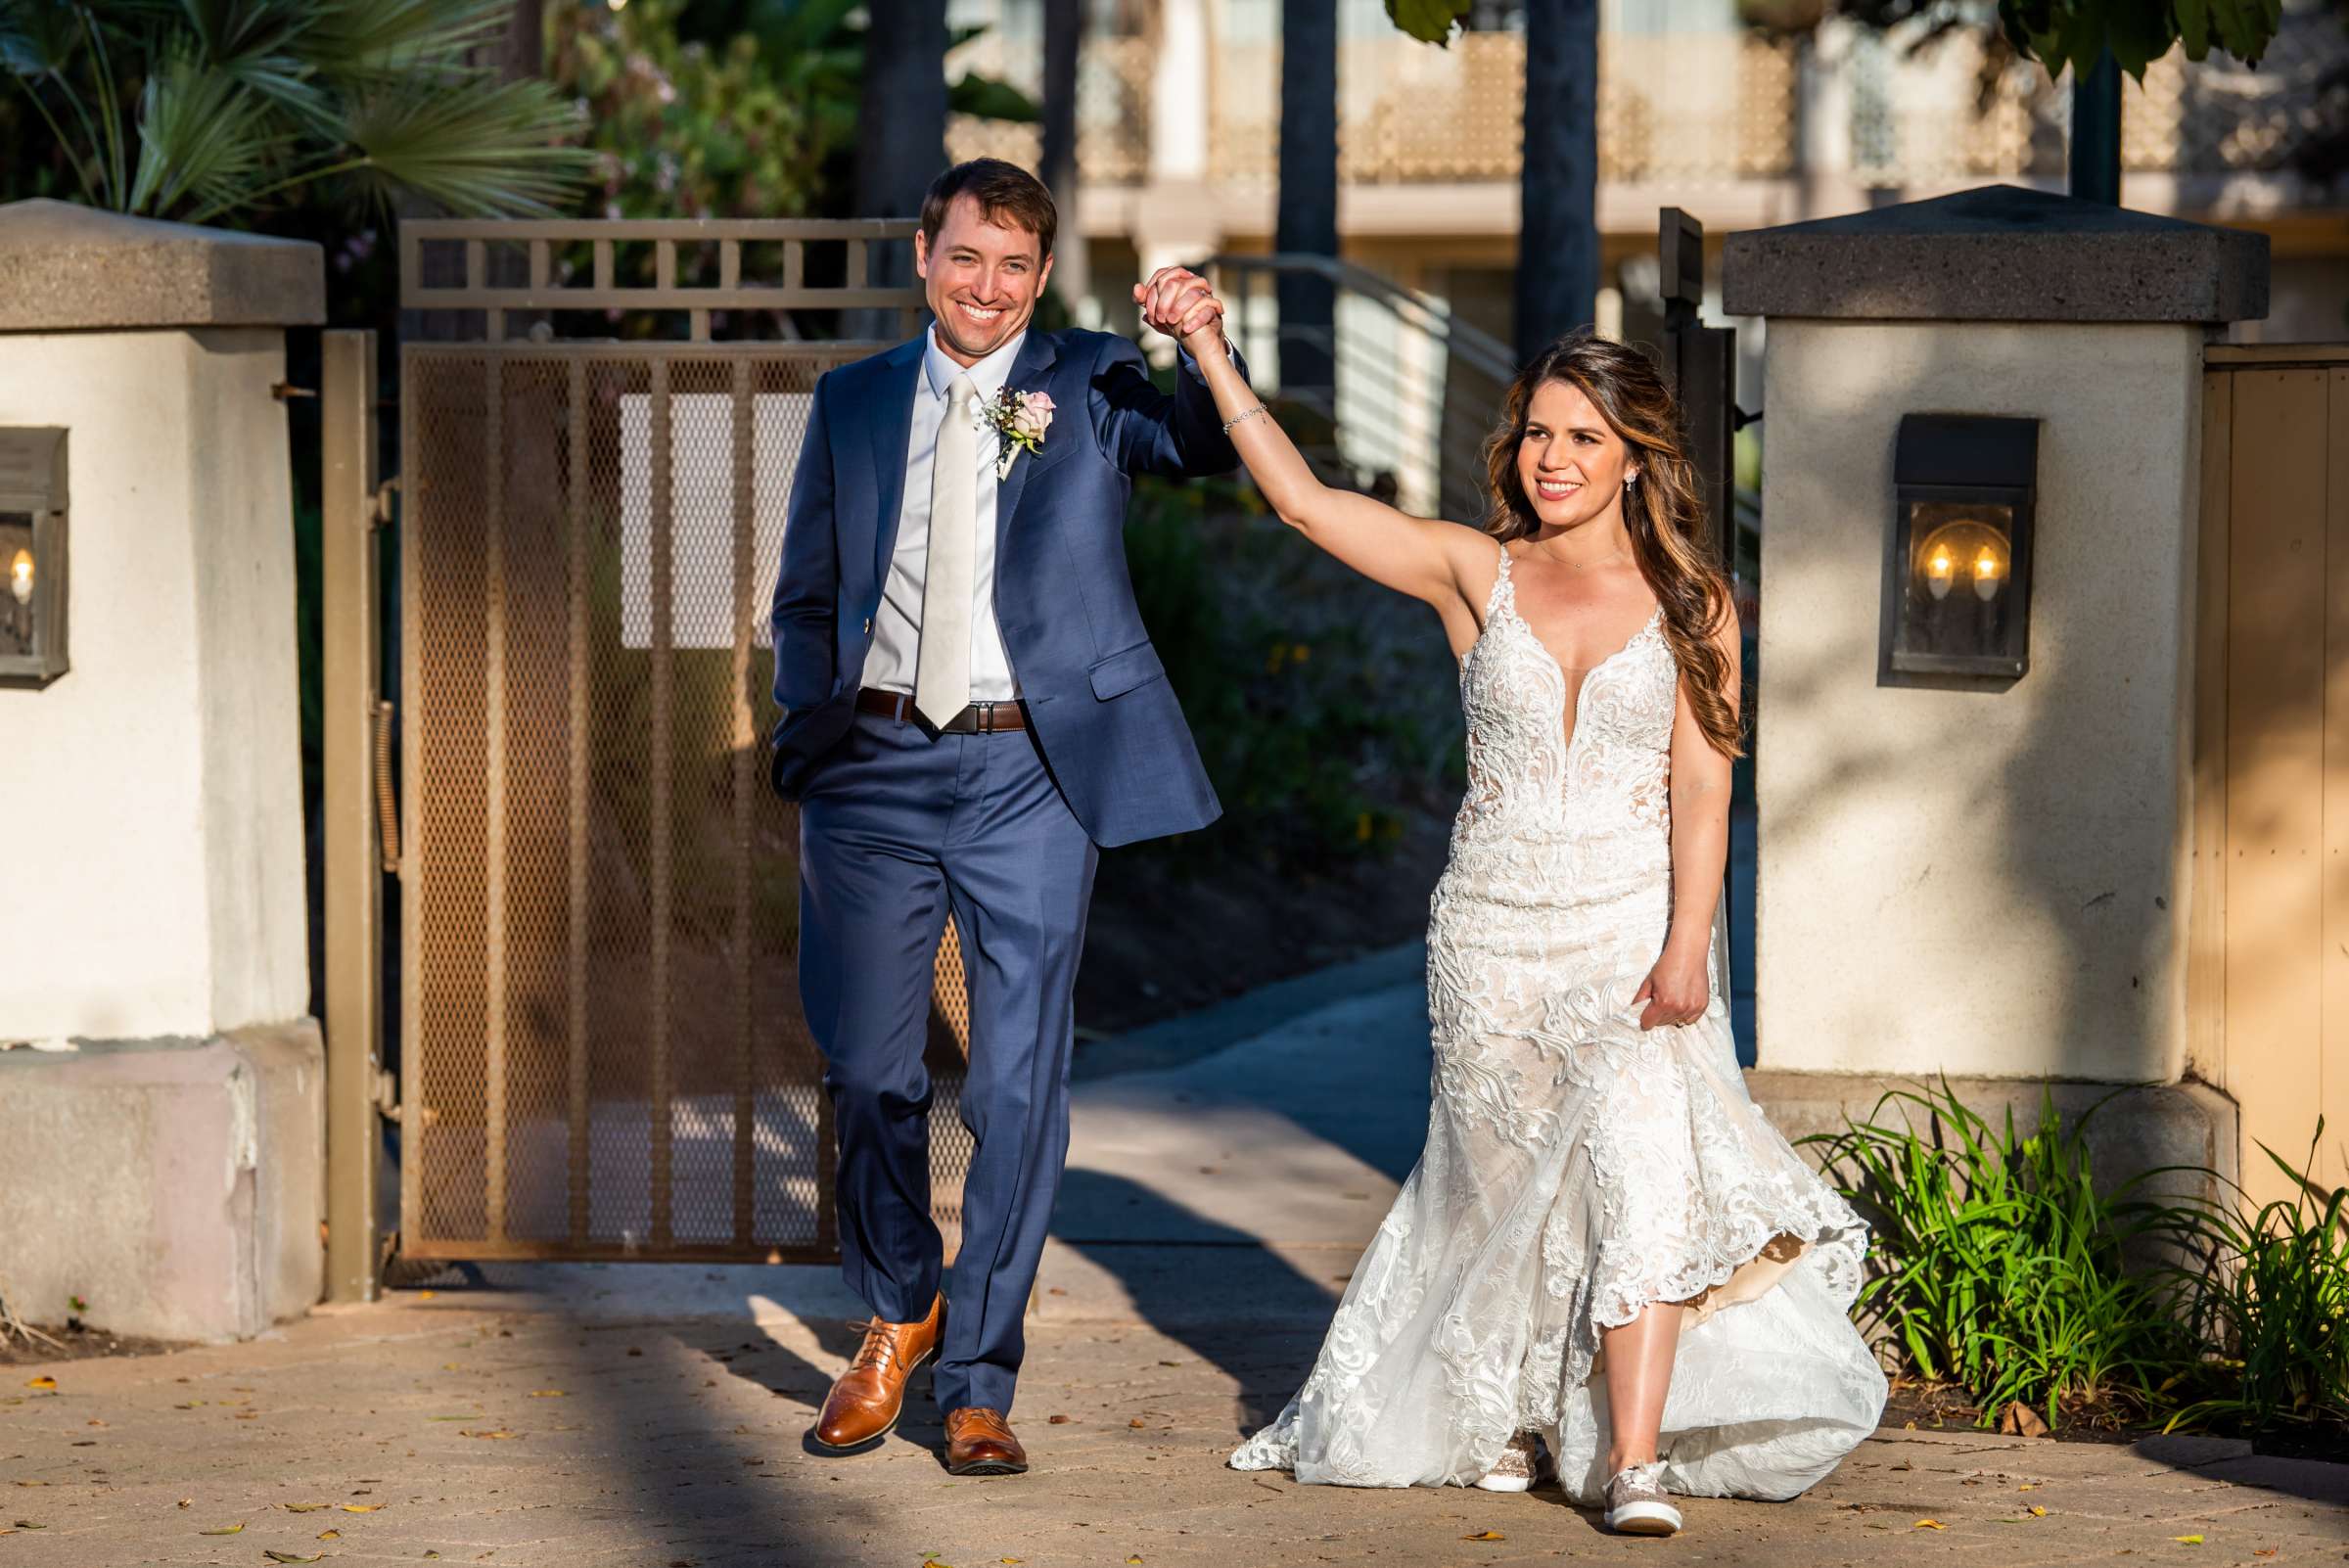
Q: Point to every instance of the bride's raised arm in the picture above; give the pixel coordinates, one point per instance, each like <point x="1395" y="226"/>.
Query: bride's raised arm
<point x="1446" y="563"/>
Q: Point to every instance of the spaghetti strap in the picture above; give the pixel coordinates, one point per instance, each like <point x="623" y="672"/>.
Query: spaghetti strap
<point x="1501" y="587"/>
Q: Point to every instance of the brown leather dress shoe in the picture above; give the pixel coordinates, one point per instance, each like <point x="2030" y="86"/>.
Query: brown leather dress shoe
<point x="979" y="1442"/>
<point x="865" y="1402"/>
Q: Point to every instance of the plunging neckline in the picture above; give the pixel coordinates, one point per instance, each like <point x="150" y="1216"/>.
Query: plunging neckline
<point x="1508" y="607"/>
<point x="1583" y="685"/>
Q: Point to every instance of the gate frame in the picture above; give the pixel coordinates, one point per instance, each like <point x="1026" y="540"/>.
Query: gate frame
<point x="360" y="810"/>
<point x="352" y="722"/>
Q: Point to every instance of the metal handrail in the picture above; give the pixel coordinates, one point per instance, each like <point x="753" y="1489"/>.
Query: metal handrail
<point x="1428" y="430"/>
<point x="1473" y="344"/>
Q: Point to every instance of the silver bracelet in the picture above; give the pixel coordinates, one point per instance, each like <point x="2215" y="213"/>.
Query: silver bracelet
<point x="1242" y="417"/>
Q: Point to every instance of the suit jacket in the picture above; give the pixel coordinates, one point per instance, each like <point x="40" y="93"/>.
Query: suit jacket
<point x="1097" y="696"/>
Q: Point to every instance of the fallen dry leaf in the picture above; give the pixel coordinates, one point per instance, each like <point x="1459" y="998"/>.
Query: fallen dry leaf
<point x="2187" y="1541"/>
<point x="32" y="1483"/>
<point x="361" y="1507"/>
<point x="500" y="1432"/>
<point x="27" y="1524"/>
<point x="1486" y="1535"/>
<point x="1928" y="1524"/>
<point x="1056" y="1420"/>
<point x="307" y="1507"/>
<point x="187" y="1503"/>
<point x="1136" y="1422"/>
<point x="2038" y="1512"/>
<point x="546" y="1394"/>
<point x="288" y="1556"/>
<point x="2263" y="1551"/>
<point x="329" y="1535"/>
<point x="225" y="1530"/>
<point x="41" y="1382"/>
<point x="2021" y="1420"/>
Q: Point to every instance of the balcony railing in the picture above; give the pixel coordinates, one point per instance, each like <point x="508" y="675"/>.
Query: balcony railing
<point x="1692" y="108"/>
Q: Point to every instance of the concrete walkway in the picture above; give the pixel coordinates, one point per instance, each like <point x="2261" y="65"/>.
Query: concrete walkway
<point x="1224" y="1174"/>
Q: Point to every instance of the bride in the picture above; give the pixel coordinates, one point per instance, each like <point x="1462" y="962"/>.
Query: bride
<point x="1605" y="1245"/>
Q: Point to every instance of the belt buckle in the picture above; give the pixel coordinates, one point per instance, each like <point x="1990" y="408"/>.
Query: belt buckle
<point x="982" y="718"/>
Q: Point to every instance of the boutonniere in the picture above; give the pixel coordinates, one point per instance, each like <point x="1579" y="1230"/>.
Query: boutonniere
<point x="1019" y="421"/>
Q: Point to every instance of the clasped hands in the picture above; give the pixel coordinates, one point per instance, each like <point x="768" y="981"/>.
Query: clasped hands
<point x="1179" y="302"/>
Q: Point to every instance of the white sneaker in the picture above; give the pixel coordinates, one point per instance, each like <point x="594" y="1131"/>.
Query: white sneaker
<point x="1519" y="1467"/>
<point x="1637" y="1504"/>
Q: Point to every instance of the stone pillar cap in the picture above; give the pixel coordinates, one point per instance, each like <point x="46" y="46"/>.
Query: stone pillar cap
<point x="1999" y="252"/>
<point x="64" y="267"/>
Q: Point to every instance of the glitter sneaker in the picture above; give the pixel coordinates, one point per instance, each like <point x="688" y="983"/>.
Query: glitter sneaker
<point x="1521" y="1464"/>
<point x="1637" y="1504"/>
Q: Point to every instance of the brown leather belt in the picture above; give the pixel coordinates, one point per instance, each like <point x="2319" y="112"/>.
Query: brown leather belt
<point x="980" y="718"/>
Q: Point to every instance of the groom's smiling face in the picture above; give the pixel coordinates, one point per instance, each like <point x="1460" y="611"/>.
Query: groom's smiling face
<point x="982" y="280"/>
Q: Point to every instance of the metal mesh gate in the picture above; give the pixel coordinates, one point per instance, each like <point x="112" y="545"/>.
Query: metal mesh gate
<point x="603" y="1053"/>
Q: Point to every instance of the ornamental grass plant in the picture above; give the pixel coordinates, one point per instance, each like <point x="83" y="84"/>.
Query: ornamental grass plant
<point x="2264" y="1290"/>
<point x="1999" y="1265"/>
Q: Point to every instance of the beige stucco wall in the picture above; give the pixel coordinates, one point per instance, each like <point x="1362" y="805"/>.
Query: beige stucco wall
<point x="1978" y="882"/>
<point x="152" y="804"/>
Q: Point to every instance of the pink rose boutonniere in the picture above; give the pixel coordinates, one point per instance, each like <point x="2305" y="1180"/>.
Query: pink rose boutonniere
<point x="1020" y="420"/>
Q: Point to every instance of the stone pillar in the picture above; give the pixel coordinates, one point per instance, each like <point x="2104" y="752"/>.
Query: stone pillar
<point x="163" y="1159"/>
<point x="1985" y="882"/>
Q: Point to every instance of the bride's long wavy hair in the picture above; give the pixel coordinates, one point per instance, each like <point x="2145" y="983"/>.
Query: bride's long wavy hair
<point x="1662" y="512"/>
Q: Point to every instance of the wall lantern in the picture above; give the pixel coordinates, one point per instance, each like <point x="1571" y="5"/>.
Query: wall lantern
<point x="33" y="556"/>
<point x="1957" y="562"/>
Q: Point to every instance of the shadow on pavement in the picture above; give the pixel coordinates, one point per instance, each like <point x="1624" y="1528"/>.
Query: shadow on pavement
<point x="1235" y="1303"/>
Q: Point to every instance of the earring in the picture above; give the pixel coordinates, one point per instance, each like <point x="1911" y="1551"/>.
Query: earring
<point x="1630" y="479"/>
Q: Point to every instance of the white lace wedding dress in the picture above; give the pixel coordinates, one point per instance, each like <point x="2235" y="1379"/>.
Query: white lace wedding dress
<point x="1576" y="1168"/>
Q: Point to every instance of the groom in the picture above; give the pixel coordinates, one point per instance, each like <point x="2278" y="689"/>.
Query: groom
<point x="971" y="710"/>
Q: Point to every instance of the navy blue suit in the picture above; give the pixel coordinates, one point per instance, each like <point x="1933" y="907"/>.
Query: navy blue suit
<point x="898" y="827"/>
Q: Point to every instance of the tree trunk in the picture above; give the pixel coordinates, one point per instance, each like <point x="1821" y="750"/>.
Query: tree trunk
<point x="521" y="55"/>
<point x="900" y="136"/>
<point x="1557" y="237"/>
<point x="1064" y="39"/>
<point x="1307" y="221"/>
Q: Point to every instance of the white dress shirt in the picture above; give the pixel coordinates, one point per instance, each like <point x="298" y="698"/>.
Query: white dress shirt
<point x="897" y="626"/>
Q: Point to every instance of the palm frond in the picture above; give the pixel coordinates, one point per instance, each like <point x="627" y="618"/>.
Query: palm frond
<point x="205" y="140"/>
<point x="479" y="149"/>
<point x="37" y="38"/>
<point x="358" y="40"/>
<point x="227" y="30"/>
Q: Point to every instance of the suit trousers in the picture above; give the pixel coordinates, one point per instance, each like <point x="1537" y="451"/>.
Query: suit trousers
<point x="897" y="827"/>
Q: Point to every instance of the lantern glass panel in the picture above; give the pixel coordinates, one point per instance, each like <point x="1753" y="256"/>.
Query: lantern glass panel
<point x="19" y="576"/>
<point x="1957" y="589"/>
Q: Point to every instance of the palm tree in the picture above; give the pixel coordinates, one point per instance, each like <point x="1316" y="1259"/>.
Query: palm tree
<point x="902" y="135"/>
<point x="204" y="109"/>
<point x="1557" y="232"/>
<point x="1305" y="221"/>
<point x="1056" y="163"/>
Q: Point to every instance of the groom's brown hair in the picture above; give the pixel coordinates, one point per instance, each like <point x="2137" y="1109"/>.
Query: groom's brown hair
<point x="1008" y="195"/>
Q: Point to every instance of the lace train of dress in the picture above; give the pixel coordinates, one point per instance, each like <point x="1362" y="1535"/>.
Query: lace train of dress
<point x="1577" y="1168"/>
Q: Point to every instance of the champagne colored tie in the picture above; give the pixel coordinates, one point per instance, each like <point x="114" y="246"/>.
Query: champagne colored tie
<point x="942" y="680"/>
